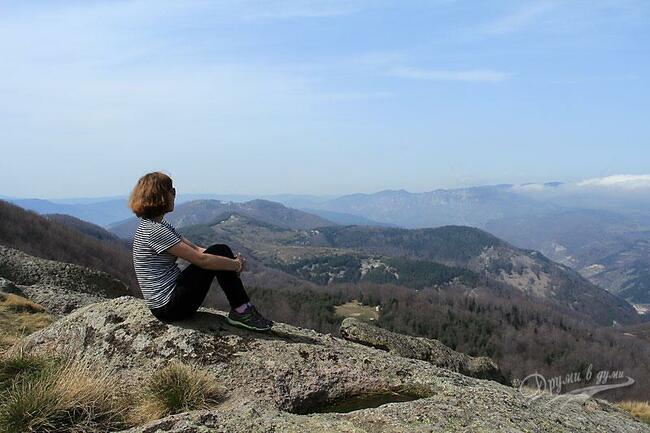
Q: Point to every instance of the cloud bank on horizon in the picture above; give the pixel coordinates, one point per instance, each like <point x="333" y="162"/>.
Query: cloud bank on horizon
<point x="629" y="182"/>
<point x="618" y="193"/>
<point x="327" y="97"/>
<point x="636" y="187"/>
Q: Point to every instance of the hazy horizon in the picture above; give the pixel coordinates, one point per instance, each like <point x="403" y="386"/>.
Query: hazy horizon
<point x="619" y="185"/>
<point x="325" y="98"/>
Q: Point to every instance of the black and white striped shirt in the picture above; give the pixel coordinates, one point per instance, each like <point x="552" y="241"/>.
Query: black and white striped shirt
<point x="155" y="268"/>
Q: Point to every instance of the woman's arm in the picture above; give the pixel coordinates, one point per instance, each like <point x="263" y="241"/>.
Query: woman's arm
<point x="206" y="261"/>
<point x="196" y="247"/>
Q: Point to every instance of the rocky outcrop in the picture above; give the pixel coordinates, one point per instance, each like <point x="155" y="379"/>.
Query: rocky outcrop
<point x="425" y="349"/>
<point x="281" y="380"/>
<point x="59" y="287"/>
<point x="56" y="300"/>
<point x="7" y="286"/>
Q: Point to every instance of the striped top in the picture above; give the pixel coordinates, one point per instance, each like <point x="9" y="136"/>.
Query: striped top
<point x="155" y="268"/>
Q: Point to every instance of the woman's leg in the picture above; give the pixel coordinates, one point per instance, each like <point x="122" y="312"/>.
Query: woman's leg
<point x="194" y="283"/>
<point x="229" y="280"/>
<point x="191" y="288"/>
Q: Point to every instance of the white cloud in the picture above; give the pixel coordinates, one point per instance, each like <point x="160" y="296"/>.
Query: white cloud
<point x="620" y="186"/>
<point x="623" y="181"/>
<point x="474" y="75"/>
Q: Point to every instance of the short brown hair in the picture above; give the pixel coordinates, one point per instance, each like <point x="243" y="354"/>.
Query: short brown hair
<point x="150" y="196"/>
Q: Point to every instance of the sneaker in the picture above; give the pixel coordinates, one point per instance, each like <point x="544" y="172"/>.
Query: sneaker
<point x="269" y="321"/>
<point x="249" y="319"/>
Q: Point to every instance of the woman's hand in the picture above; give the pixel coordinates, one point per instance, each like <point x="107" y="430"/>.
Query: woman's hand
<point x="242" y="262"/>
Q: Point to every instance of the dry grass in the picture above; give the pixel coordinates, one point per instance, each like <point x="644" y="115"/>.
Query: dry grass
<point x="17" y="365"/>
<point x="18" y="304"/>
<point x="174" y="389"/>
<point x="7" y="341"/>
<point x="638" y="409"/>
<point x="18" y="317"/>
<point x="50" y="395"/>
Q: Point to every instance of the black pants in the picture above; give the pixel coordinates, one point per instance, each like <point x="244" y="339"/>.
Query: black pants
<point x="193" y="284"/>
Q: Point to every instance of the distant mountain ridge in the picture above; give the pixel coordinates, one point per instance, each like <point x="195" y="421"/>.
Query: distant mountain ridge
<point x="100" y="213"/>
<point x="205" y="211"/>
<point x="110" y="210"/>
<point x="466" y="206"/>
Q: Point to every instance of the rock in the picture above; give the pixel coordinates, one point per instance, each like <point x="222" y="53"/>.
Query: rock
<point x="56" y="300"/>
<point x="58" y="287"/>
<point x="276" y="379"/>
<point x="9" y="287"/>
<point x="422" y="348"/>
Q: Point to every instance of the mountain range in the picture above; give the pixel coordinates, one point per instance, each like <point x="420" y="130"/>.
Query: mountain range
<point x="599" y="227"/>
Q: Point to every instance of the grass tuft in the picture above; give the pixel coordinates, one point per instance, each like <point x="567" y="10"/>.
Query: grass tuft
<point x="174" y="389"/>
<point x="17" y="366"/>
<point x="20" y="316"/>
<point x="638" y="409"/>
<point x="19" y="304"/>
<point x="52" y="396"/>
<point x="7" y="341"/>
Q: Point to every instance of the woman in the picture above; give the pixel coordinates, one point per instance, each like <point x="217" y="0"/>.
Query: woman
<point x="172" y="294"/>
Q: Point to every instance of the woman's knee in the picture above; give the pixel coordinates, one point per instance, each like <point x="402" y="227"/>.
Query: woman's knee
<point x="220" y="249"/>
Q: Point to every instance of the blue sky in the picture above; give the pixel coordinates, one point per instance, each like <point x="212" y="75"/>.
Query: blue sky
<point x="321" y="97"/>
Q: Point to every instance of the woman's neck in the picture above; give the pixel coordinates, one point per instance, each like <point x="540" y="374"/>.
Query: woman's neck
<point x="157" y="218"/>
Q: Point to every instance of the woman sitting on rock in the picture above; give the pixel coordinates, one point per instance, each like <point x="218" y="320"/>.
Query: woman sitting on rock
<point x="172" y="294"/>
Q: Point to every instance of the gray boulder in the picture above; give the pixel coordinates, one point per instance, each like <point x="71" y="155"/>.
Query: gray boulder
<point x="56" y="300"/>
<point x="283" y="380"/>
<point x="59" y="287"/>
<point x="7" y="286"/>
<point x="422" y="348"/>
